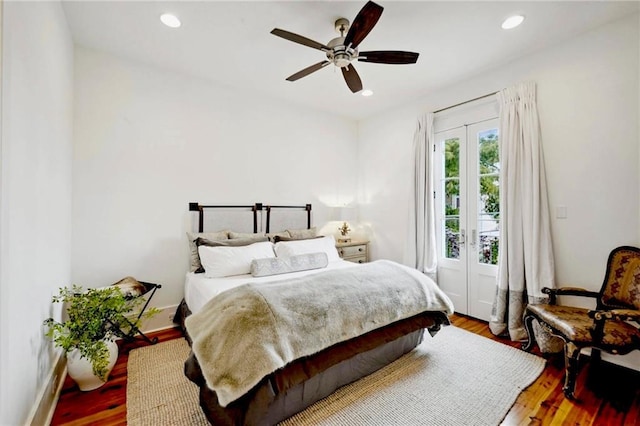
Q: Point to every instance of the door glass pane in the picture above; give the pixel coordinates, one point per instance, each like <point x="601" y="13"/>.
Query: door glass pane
<point x="452" y="158"/>
<point x="489" y="205"/>
<point x="489" y="152"/>
<point x="452" y="197"/>
<point x="489" y="196"/>
<point x="451" y="200"/>
<point x="452" y="238"/>
<point x="488" y="237"/>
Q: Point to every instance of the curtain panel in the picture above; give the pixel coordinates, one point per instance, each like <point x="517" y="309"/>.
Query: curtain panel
<point x="420" y="252"/>
<point x="525" y="262"/>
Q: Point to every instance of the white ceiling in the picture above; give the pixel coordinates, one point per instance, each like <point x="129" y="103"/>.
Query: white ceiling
<point x="229" y="42"/>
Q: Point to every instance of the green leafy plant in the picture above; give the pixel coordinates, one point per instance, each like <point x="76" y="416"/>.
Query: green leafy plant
<point x="94" y="315"/>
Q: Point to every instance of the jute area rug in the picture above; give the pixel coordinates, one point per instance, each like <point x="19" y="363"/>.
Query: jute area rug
<point x="454" y="378"/>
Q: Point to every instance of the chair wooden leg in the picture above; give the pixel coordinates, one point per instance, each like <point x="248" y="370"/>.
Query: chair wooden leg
<point x="528" y="325"/>
<point x="571" y="354"/>
<point x="597" y="379"/>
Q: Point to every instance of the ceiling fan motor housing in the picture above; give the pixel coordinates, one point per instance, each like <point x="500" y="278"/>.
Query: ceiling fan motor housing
<point x="339" y="54"/>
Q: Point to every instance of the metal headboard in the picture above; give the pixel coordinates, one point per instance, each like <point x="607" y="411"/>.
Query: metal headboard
<point x="306" y="208"/>
<point x="201" y="208"/>
<point x="255" y="208"/>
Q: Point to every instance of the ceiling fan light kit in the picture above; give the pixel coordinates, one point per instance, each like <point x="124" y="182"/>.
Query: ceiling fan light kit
<point x="342" y="51"/>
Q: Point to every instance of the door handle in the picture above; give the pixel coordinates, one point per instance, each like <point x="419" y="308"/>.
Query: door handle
<point x="463" y="238"/>
<point x="473" y="238"/>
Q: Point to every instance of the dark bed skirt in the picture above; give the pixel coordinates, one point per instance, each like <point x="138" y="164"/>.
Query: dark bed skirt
<point x="182" y="312"/>
<point x="307" y="380"/>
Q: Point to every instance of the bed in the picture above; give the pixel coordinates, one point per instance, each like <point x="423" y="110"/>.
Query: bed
<point x="268" y="345"/>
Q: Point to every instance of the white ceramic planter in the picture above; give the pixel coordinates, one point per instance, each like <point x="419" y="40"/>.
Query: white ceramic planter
<point x="81" y="370"/>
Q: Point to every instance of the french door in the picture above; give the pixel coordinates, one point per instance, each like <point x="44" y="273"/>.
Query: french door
<point x="467" y="193"/>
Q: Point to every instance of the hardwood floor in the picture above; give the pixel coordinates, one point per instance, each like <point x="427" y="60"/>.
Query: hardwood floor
<point x="541" y="404"/>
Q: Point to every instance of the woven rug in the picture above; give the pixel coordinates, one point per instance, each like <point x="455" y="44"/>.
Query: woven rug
<point x="454" y="378"/>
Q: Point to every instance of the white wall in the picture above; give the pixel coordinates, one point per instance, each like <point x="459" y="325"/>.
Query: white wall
<point x="35" y="195"/>
<point x="587" y="97"/>
<point x="147" y="142"/>
<point x="588" y="103"/>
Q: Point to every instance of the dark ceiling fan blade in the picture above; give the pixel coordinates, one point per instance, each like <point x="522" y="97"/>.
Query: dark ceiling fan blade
<point x="388" y="57"/>
<point x="352" y="78"/>
<point x="305" y="72"/>
<point x="299" y="39"/>
<point x="363" y="24"/>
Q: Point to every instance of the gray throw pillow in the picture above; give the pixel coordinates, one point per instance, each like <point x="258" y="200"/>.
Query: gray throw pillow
<point x="193" y="248"/>
<point x="303" y="234"/>
<point x="284" y="265"/>
<point x="274" y="236"/>
<point x="278" y="238"/>
<point x="257" y="237"/>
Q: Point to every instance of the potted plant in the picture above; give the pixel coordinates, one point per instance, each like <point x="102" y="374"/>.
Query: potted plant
<point x="87" y="335"/>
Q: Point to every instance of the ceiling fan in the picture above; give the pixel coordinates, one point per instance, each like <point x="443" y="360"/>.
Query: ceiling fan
<point x="341" y="51"/>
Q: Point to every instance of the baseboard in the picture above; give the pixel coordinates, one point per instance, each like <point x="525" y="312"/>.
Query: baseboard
<point x="630" y="361"/>
<point x="161" y="321"/>
<point x="47" y="399"/>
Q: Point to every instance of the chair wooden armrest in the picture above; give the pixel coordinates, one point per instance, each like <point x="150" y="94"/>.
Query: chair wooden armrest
<point x="616" y="315"/>
<point x="601" y="316"/>
<point x="568" y="291"/>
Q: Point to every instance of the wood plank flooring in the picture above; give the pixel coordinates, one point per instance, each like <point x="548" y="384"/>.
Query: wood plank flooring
<point x="541" y="404"/>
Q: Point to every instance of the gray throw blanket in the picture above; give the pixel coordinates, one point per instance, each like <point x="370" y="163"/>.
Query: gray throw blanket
<point x="246" y="333"/>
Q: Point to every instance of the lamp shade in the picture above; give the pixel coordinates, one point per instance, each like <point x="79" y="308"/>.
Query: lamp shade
<point x="345" y="213"/>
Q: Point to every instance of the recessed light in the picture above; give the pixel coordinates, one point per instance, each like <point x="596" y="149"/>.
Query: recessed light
<point x="170" y="20"/>
<point x="512" y="22"/>
<point x="367" y="92"/>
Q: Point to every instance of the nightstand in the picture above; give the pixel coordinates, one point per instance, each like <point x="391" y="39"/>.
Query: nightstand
<point x="354" y="251"/>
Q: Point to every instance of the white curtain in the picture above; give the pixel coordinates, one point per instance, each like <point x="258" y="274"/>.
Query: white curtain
<point x="525" y="263"/>
<point x="420" y="252"/>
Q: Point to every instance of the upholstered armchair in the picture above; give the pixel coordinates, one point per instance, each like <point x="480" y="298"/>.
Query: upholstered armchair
<point x="614" y="326"/>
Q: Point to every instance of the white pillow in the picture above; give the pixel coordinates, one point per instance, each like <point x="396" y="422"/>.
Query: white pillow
<point x="227" y="261"/>
<point x="316" y="245"/>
